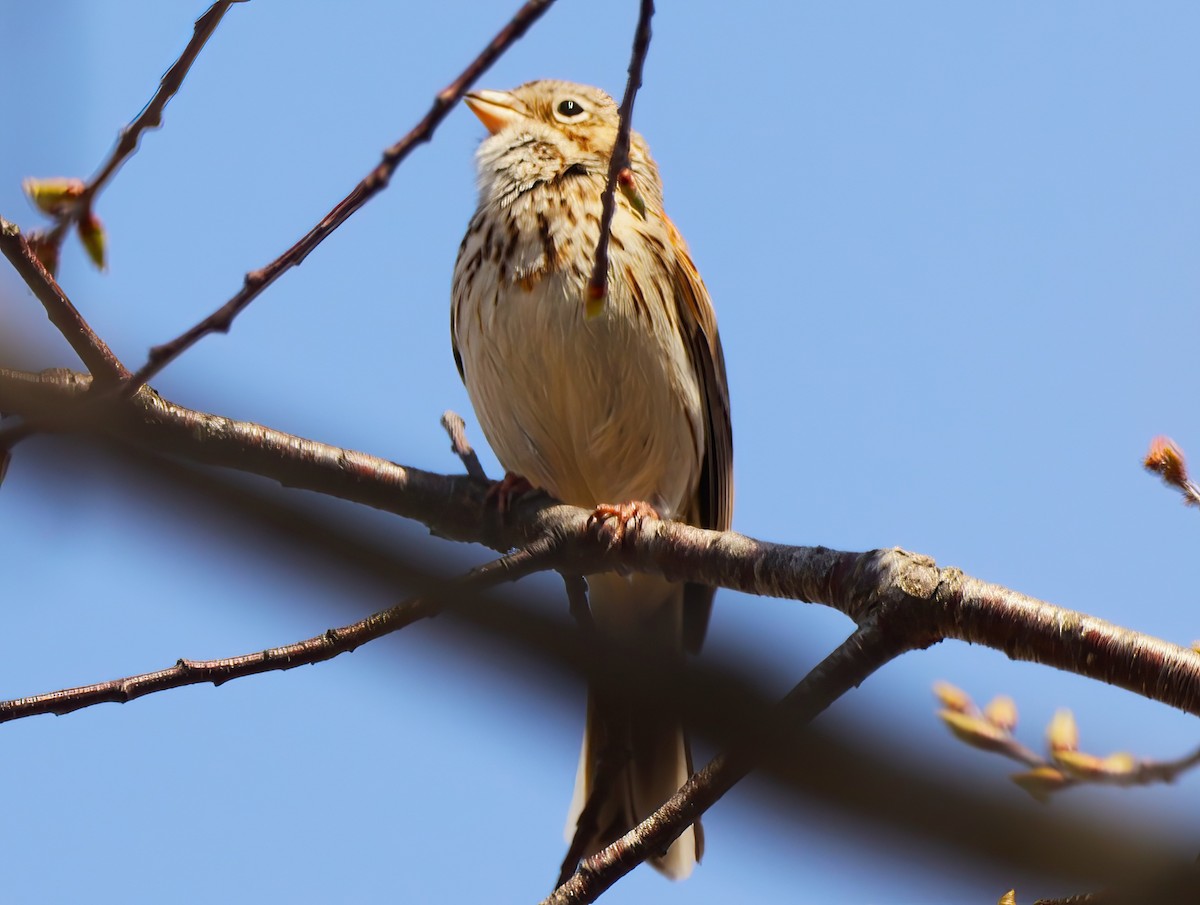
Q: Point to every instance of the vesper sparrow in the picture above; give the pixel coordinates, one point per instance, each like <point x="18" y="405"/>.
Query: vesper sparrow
<point x="629" y="404"/>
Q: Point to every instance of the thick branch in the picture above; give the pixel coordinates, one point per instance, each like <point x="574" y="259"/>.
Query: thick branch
<point x="720" y="699"/>
<point x="937" y="603"/>
<point x="375" y="182"/>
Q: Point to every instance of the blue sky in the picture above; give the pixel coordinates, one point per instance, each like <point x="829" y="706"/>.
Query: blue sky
<point x="953" y="253"/>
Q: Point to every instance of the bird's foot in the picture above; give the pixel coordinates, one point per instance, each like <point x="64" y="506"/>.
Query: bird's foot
<point x="505" y="492"/>
<point x="613" y="522"/>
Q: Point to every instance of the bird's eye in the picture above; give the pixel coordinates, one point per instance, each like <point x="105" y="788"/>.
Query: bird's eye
<point x="570" y="109"/>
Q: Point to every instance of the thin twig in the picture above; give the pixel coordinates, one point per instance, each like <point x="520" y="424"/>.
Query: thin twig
<point x="80" y="206"/>
<point x="151" y="115"/>
<point x="870" y="647"/>
<point x="611" y="759"/>
<point x="376" y="181"/>
<point x="991" y="729"/>
<point x="457" y="429"/>
<point x="91" y="349"/>
<point x="317" y="649"/>
<point x="598" y="284"/>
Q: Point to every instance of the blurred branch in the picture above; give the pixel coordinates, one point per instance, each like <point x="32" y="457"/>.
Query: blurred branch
<point x="375" y="182"/>
<point x="848" y="666"/>
<point x="935" y="603"/>
<point x="991" y="729"/>
<point x="619" y="160"/>
<point x="317" y="649"/>
<point x="1177" y="884"/>
<point x="91" y="349"/>
<point x="824" y="769"/>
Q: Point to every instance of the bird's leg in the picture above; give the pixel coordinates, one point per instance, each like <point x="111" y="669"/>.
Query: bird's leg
<point x="503" y="493"/>
<point x="612" y="522"/>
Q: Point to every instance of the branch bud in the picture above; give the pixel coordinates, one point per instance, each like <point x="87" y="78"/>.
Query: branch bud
<point x="55" y="197"/>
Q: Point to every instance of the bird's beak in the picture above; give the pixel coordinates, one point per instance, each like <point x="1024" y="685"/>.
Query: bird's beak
<point x="495" y="109"/>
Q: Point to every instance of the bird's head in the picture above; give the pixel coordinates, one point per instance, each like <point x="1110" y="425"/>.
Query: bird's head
<point x="549" y="130"/>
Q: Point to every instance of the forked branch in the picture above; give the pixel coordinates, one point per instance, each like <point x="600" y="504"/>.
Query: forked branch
<point x="870" y="647"/>
<point x="938" y="603"/>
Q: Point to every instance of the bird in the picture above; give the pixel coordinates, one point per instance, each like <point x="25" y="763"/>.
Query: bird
<point x="622" y="408"/>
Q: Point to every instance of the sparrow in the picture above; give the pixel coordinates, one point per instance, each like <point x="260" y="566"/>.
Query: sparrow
<point x="622" y="408"/>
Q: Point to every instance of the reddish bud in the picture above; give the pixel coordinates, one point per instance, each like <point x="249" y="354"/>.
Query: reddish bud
<point x="628" y="186"/>
<point x="594" y="299"/>
<point x="1166" y="460"/>
<point x="95" y="240"/>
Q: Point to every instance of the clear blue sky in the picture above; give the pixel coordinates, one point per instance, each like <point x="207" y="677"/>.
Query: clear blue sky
<point x="953" y="250"/>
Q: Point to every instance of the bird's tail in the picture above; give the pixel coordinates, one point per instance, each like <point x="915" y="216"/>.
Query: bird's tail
<point x="635" y="752"/>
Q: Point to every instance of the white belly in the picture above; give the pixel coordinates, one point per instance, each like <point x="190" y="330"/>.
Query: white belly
<point x="600" y="410"/>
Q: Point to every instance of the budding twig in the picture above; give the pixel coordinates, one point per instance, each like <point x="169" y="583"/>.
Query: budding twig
<point x="597" y="287"/>
<point x="375" y="182"/>
<point x="91" y="349"/>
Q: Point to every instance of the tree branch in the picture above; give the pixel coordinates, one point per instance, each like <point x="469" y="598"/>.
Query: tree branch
<point x="151" y="115"/>
<point x="598" y="284"/>
<point x="256" y="281"/>
<point x="73" y="201"/>
<point x="937" y="603"/>
<point x="870" y="647"/>
<point x="96" y="356"/>
<point x="722" y="700"/>
<point x="457" y="430"/>
<point x="317" y="649"/>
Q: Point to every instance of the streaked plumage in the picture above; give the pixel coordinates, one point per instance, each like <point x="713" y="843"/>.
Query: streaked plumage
<point x="627" y="405"/>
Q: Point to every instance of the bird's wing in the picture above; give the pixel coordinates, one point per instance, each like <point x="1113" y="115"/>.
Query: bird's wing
<point x="714" y="503"/>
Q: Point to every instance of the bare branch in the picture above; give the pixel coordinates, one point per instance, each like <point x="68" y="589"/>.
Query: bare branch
<point x="73" y="201"/>
<point x="317" y="649"/>
<point x="940" y="603"/>
<point x="457" y="429"/>
<point x="870" y="647"/>
<point x="91" y="349"/>
<point x="598" y="284"/>
<point x="375" y="182"/>
<point x="151" y="115"/>
<point x="828" y="766"/>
